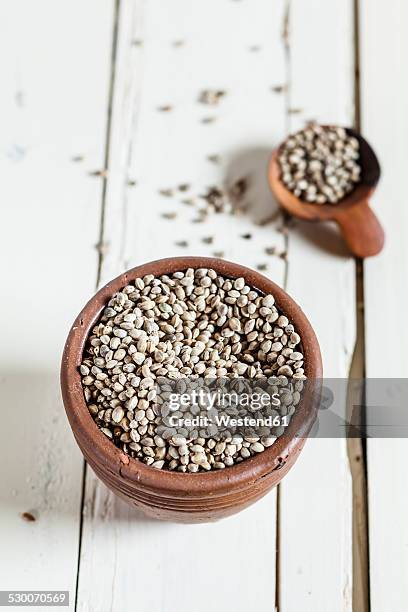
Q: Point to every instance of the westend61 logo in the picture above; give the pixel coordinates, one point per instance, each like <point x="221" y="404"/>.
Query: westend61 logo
<point x="220" y="408"/>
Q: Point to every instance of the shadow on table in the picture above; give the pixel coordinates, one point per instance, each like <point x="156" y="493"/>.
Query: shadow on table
<point x="261" y="207"/>
<point x="325" y="236"/>
<point x="251" y="165"/>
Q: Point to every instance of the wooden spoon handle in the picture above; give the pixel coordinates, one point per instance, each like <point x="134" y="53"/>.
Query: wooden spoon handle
<point x="361" y="230"/>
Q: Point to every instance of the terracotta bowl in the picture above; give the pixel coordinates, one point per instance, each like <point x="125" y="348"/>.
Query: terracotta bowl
<point x="175" y="496"/>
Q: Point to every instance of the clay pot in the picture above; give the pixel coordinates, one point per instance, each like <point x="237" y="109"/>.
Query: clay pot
<point x="175" y="496"/>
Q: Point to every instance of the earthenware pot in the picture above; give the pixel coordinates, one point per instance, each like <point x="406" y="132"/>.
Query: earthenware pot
<point x="176" y="496"/>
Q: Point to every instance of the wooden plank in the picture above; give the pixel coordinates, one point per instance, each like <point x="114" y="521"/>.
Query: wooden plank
<point x="315" y="500"/>
<point x="384" y="87"/>
<point x="161" y="150"/>
<point x="53" y="109"/>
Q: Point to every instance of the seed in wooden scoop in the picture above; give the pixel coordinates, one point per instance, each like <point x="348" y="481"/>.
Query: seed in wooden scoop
<point x="320" y="164"/>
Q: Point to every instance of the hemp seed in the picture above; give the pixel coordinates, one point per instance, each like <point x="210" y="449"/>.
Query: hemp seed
<point x="184" y="327"/>
<point x="320" y="164"/>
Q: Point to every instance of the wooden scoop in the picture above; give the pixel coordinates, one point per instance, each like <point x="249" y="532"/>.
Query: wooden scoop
<point x="360" y="227"/>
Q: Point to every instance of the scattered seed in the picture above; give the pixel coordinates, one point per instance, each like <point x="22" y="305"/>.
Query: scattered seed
<point x="262" y="267"/>
<point x="28" y="516"/>
<point x="207" y="120"/>
<point x="246" y="236"/>
<point x="181" y="243"/>
<point x="217" y="200"/>
<point x="167" y="193"/>
<point x="208" y="239"/>
<point x="165" y="109"/>
<point x="198" y="220"/>
<point x="102" y="173"/>
<point x="169" y="215"/>
<point x="278" y="88"/>
<point x="211" y="97"/>
<point x="239" y="189"/>
<point x="215" y="159"/>
<point x="270" y="250"/>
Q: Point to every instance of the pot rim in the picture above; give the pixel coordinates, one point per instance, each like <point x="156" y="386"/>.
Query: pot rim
<point x="112" y="459"/>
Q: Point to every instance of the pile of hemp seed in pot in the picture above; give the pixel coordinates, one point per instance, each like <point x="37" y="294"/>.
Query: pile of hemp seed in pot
<point x="188" y="325"/>
<point x="320" y="164"/>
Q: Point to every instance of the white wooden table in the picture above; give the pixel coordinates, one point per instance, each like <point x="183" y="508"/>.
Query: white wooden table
<point x="83" y="86"/>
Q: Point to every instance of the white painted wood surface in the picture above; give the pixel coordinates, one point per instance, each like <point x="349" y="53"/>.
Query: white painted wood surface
<point x="57" y="80"/>
<point x="315" y="499"/>
<point x="384" y="87"/>
<point x="53" y="108"/>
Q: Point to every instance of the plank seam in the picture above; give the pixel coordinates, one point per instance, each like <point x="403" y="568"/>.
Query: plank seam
<point x="285" y="226"/>
<point x="101" y="251"/>
<point x="357" y="447"/>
